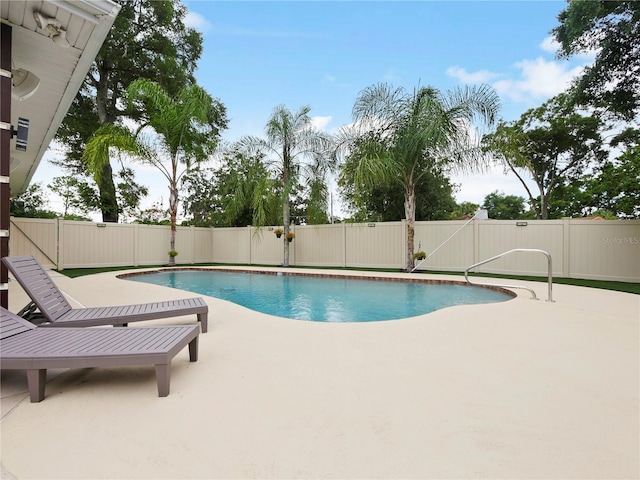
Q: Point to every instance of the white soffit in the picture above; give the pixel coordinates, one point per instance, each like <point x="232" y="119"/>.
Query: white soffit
<point x="61" y="70"/>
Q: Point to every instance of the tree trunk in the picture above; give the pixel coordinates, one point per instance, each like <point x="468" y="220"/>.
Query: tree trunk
<point x="106" y="186"/>
<point x="173" y="214"/>
<point x="544" y="206"/>
<point x="286" y="218"/>
<point x="410" y="215"/>
<point x="108" y="199"/>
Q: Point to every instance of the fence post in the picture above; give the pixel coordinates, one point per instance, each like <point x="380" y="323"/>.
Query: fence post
<point x="193" y="244"/>
<point x="566" y="245"/>
<point x="476" y="241"/>
<point x="344" y="244"/>
<point x="212" y="240"/>
<point x="59" y="244"/>
<point x="136" y="244"/>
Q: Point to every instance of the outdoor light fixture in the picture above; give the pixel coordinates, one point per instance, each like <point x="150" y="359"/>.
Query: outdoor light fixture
<point x="53" y="27"/>
<point x="24" y="83"/>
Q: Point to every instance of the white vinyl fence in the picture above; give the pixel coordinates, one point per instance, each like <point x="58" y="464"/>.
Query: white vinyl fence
<point x="590" y="249"/>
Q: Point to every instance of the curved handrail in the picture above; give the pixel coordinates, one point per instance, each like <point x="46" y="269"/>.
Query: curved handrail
<point x="533" y="294"/>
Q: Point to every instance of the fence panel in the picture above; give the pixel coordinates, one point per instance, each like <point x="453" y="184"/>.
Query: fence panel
<point x="606" y="249"/>
<point x="153" y="245"/>
<point x="451" y="245"/>
<point x="320" y="245"/>
<point x="184" y="245"/>
<point x="202" y="245"/>
<point x="375" y="245"/>
<point x="496" y="236"/>
<point x="231" y="245"/>
<point x="35" y="236"/>
<point x="267" y="249"/>
<point x="88" y="244"/>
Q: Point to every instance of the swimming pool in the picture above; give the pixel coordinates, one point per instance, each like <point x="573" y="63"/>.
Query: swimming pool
<point x="321" y="298"/>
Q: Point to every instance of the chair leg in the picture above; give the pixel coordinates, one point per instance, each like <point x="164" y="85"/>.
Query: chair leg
<point x="163" y="376"/>
<point x="204" y="323"/>
<point x="193" y="350"/>
<point x="36" y="380"/>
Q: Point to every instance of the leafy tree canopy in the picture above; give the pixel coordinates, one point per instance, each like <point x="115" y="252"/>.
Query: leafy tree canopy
<point x="384" y="200"/>
<point x="612" y="29"/>
<point x="232" y="194"/>
<point x="464" y="209"/>
<point x="504" y="207"/>
<point x="148" y="40"/>
<point x="32" y="203"/>
<point x="550" y="144"/>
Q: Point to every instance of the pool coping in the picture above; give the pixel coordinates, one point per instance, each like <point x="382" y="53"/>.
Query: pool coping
<point x="327" y="275"/>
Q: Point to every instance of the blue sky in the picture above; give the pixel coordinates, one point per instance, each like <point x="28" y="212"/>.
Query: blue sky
<point x="260" y="54"/>
<point x="323" y="53"/>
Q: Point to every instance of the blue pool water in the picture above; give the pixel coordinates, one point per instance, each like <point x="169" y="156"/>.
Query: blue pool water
<point x="324" y="299"/>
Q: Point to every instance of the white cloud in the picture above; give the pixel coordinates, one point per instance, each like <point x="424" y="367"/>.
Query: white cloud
<point x="530" y="81"/>
<point x="539" y="79"/>
<point x="481" y="76"/>
<point x="320" y="123"/>
<point x="550" y="44"/>
<point x="196" y="21"/>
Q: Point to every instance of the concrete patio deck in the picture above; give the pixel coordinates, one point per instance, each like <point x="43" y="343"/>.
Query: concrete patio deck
<point x="520" y="389"/>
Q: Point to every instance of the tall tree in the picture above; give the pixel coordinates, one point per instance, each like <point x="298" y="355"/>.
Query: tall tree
<point x="183" y="131"/>
<point x="148" y="40"/>
<point x="503" y="207"/>
<point x="615" y="185"/>
<point x="407" y="135"/>
<point x="296" y="152"/>
<point x="550" y="144"/>
<point x="612" y="30"/>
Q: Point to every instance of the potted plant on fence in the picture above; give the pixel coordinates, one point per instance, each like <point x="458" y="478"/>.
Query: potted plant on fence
<point x="419" y="256"/>
<point x="278" y="232"/>
<point x="290" y="236"/>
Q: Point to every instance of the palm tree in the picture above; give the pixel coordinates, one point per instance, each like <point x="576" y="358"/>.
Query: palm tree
<point x="295" y="151"/>
<point x="404" y="136"/>
<point x="183" y="130"/>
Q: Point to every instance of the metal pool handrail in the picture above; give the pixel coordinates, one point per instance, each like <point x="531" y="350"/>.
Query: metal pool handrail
<point x="533" y="294"/>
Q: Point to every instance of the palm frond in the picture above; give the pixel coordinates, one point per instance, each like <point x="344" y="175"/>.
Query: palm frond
<point x="97" y="150"/>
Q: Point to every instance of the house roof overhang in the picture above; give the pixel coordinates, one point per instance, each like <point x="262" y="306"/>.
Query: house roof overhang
<point x="61" y="70"/>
